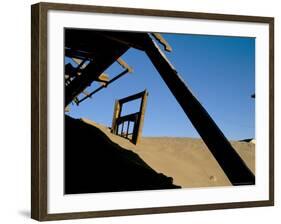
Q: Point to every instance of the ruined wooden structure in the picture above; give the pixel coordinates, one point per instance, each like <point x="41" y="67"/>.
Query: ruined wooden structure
<point x="103" y="48"/>
<point x="121" y="124"/>
<point x="99" y="53"/>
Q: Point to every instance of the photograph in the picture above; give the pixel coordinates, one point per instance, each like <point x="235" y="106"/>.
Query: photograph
<point x="140" y="111"/>
<point x="156" y="111"/>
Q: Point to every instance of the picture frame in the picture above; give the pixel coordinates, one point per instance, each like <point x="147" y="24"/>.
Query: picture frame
<point x="41" y="23"/>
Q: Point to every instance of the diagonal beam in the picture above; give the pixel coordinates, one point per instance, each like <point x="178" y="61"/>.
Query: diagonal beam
<point x="111" y="52"/>
<point x="229" y="160"/>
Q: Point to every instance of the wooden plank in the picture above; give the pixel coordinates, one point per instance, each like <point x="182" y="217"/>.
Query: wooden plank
<point x="124" y="65"/>
<point x="132" y="97"/>
<point x="77" y="54"/>
<point x="77" y="60"/>
<point x="233" y="166"/>
<point x="102" y="61"/>
<point x="103" y="77"/>
<point x="104" y="86"/>
<point x="116" y="114"/>
<point x="162" y="41"/>
<point x="139" y="124"/>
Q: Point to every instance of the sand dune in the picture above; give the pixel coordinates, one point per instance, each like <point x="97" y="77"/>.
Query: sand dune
<point x="187" y="160"/>
<point x="93" y="163"/>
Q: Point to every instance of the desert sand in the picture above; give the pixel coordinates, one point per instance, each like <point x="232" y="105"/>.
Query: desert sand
<point x="187" y="160"/>
<point x="93" y="163"/>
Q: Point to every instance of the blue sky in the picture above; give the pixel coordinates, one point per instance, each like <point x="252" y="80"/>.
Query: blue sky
<point x="219" y="70"/>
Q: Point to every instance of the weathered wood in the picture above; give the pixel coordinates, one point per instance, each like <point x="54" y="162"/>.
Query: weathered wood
<point x="85" y="42"/>
<point x="137" y="118"/>
<point x="77" y="60"/>
<point x="124" y="65"/>
<point x="103" y="78"/>
<point x="102" y="61"/>
<point x="116" y="114"/>
<point x="127" y="38"/>
<point x="162" y="41"/>
<point x="132" y="97"/>
<point x="78" y="54"/>
<point x="139" y="124"/>
<point x="233" y="166"/>
<point x="227" y="157"/>
<point x="103" y="86"/>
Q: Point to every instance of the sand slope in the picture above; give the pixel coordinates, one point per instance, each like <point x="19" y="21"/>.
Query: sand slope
<point x="93" y="163"/>
<point x="188" y="161"/>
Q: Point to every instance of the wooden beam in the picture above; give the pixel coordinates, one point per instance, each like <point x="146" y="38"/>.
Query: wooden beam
<point x="116" y="114"/>
<point x="111" y="52"/>
<point x="104" y="86"/>
<point x="132" y="97"/>
<point x="77" y="60"/>
<point x="130" y="39"/>
<point x="234" y="167"/>
<point x="162" y="41"/>
<point x="84" y="41"/>
<point x="124" y="65"/>
<point x="71" y="53"/>
<point x="139" y="125"/>
<point x="103" y="78"/>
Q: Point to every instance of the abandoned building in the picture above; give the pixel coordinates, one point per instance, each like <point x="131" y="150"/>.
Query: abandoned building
<point x="93" y="162"/>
